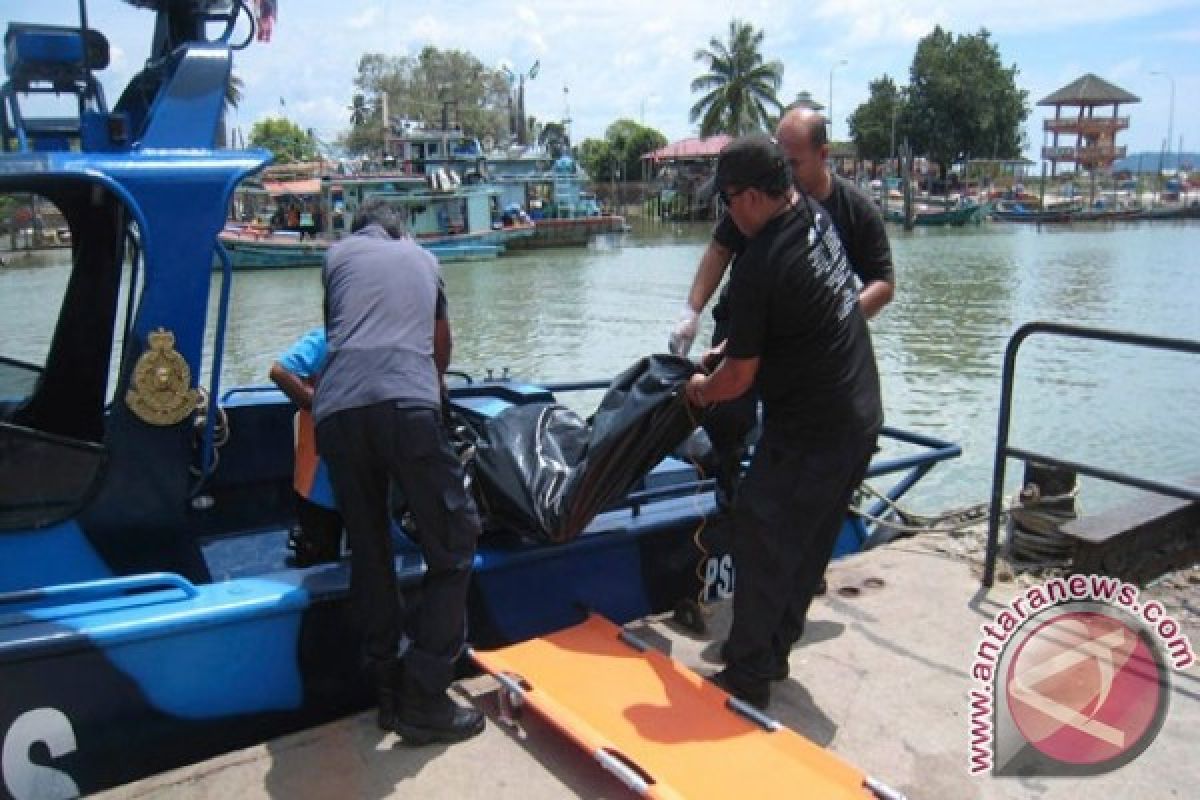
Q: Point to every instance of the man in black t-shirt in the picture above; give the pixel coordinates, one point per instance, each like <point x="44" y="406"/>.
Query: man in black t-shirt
<point x="801" y="134"/>
<point x="797" y="333"/>
<point x="859" y="226"/>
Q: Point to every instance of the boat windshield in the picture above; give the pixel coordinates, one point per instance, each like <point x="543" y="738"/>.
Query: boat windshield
<point x="65" y="247"/>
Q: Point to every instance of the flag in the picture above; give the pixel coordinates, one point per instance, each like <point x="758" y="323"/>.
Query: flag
<point x="265" y="12"/>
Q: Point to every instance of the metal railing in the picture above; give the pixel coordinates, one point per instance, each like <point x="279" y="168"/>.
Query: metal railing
<point x="1004" y="451"/>
<point x="1085" y="124"/>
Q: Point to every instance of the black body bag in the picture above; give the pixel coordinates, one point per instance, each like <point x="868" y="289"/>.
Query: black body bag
<point x="543" y="471"/>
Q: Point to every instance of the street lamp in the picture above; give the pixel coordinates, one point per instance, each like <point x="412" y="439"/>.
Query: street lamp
<point x="1171" y="113"/>
<point x="841" y="63"/>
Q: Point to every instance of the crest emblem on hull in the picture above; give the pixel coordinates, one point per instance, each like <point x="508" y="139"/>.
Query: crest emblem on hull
<point x="160" y="393"/>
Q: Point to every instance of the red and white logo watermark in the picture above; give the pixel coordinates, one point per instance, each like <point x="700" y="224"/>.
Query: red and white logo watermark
<point x="1072" y="678"/>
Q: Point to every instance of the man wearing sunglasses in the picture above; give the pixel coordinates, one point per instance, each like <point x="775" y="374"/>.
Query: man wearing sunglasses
<point x="798" y="334"/>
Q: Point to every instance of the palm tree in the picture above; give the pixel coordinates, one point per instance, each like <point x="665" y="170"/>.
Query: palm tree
<point x="739" y="85"/>
<point x="233" y="96"/>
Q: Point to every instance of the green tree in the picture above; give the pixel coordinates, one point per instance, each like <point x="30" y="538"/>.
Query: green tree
<point x="871" y="124"/>
<point x="598" y="159"/>
<point x="624" y="144"/>
<point x="962" y="100"/>
<point x="284" y="139"/>
<point x="427" y="86"/>
<point x="739" y="86"/>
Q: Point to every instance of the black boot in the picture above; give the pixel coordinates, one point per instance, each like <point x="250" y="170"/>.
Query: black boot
<point x="754" y="692"/>
<point x="424" y="718"/>
<point x="389" y="680"/>
<point x="781" y="670"/>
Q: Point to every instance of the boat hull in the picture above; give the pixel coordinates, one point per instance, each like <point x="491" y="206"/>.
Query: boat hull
<point x="181" y="668"/>
<point x="953" y="217"/>
<point x="575" y="232"/>
<point x="257" y="253"/>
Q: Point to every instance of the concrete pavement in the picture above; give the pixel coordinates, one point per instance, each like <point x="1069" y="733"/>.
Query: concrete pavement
<point x="882" y="678"/>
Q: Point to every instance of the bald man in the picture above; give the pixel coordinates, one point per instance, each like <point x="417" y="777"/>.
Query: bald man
<point x="859" y="225"/>
<point x="801" y="134"/>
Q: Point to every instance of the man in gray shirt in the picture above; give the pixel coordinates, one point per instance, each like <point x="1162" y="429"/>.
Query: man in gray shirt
<point x="378" y="415"/>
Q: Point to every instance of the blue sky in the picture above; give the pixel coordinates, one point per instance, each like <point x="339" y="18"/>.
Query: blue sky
<point x="633" y="58"/>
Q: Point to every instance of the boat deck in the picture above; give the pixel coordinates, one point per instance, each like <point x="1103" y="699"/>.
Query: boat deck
<point x="881" y="679"/>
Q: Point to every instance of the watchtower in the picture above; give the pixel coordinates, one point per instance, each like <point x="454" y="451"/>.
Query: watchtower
<point x="1095" y="136"/>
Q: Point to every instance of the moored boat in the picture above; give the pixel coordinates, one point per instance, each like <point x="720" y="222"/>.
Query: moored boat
<point x="1013" y="211"/>
<point x="1190" y="211"/>
<point x="553" y="191"/>
<point x="454" y="220"/>
<point x="933" y="216"/>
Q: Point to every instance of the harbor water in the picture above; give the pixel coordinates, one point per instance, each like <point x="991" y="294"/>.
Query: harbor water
<point x="587" y="313"/>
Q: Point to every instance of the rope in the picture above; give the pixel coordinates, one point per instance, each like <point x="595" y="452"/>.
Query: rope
<point x="920" y="523"/>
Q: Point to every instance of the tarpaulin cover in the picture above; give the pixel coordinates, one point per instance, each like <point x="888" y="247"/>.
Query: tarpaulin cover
<point x="544" y="471"/>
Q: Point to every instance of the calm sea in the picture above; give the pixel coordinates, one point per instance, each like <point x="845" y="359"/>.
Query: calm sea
<point x="588" y="313"/>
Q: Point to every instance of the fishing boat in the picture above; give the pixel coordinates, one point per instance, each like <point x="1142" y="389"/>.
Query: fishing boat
<point x="547" y="189"/>
<point x="148" y="617"/>
<point x="1013" y="211"/>
<point x="1191" y="211"/>
<point x="455" y="221"/>
<point x="564" y="212"/>
<point x="934" y="216"/>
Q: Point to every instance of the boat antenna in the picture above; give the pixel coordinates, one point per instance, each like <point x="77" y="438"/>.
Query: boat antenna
<point x="83" y="34"/>
<point x="567" y="114"/>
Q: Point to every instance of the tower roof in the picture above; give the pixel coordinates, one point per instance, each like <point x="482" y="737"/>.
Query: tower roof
<point x="1089" y="90"/>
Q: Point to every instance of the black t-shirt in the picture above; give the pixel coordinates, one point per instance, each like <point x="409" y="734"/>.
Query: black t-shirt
<point x="858" y="223"/>
<point x="793" y="304"/>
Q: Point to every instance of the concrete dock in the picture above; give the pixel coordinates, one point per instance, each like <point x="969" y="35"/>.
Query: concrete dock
<point x="882" y="678"/>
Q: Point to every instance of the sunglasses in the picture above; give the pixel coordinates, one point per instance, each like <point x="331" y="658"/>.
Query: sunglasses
<point x="727" y="197"/>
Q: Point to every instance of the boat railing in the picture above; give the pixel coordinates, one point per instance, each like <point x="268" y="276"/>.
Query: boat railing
<point x="914" y="466"/>
<point x="1004" y="450"/>
<point x="97" y="590"/>
<point x="209" y="439"/>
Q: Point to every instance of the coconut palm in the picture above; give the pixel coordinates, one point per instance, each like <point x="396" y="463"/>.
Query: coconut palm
<point x="739" y="86"/>
<point x="233" y="96"/>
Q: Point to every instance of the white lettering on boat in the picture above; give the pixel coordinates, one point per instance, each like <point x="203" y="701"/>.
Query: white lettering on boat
<point x="26" y="780"/>
<point x="718" y="578"/>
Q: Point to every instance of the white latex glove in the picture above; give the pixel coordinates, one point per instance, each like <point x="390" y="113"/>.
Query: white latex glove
<point x="684" y="332"/>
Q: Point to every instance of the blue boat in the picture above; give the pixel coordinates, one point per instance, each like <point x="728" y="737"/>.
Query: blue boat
<point x="530" y="182"/>
<point x="452" y="220"/>
<point x="251" y="251"/>
<point x="147" y="616"/>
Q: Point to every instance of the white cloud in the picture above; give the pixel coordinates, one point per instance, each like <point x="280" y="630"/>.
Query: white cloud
<point x="367" y="18"/>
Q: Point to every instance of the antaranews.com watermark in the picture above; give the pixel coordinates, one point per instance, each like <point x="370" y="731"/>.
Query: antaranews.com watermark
<point x="1072" y="677"/>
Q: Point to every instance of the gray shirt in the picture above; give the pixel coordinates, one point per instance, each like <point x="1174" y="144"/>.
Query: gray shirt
<point x="381" y="299"/>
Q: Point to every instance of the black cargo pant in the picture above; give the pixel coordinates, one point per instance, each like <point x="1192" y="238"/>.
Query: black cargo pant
<point x="364" y="448"/>
<point x="789" y="511"/>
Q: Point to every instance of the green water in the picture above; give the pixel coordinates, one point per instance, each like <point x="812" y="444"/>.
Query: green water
<point x="585" y="313"/>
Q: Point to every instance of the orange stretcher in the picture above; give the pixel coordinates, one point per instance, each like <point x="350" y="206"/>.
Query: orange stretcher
<point x="664" y="731"/>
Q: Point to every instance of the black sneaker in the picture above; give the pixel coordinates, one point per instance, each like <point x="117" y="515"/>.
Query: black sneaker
<point x="436" y="719"/>
<point x="780" y="671"/>
<point x="755" y="693"/>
